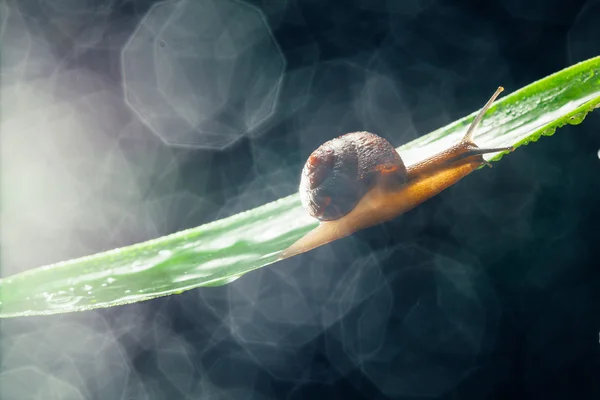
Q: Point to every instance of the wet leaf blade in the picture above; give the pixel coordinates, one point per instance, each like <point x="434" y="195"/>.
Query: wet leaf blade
<point x="220" y="252"/>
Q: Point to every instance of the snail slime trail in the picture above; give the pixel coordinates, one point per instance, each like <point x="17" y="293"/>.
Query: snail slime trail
<point x="359" y="180"/>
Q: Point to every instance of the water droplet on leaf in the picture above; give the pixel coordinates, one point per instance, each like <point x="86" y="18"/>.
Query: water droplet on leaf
<point x="576" y="119"/>
<point x="549" y="131"/>
<point x="62" y="299"/>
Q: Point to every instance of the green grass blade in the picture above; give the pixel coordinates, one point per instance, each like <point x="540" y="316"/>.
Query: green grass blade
<point x="220" y="252"/>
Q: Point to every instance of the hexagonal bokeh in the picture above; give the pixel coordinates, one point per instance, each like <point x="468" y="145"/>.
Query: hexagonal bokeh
<point x="583" y="32"/>
<point x="202" y="73"/>
<point x="81" y="22"/>
<point x="4" y="12"/>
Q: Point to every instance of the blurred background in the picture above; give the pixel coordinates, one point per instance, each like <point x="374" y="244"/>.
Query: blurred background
<point x="125" y="120"/>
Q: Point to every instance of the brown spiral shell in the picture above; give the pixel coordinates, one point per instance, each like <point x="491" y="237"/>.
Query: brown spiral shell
<point x="339" y="173"/>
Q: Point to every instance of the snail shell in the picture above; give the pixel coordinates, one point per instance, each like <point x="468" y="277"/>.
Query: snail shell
<point x="339" y="173"/>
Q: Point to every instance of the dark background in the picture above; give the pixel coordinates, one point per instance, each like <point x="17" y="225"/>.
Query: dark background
<point x="490" y="290"/>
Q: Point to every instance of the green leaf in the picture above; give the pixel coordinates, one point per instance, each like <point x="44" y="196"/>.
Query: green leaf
<point x="220" y="252"/>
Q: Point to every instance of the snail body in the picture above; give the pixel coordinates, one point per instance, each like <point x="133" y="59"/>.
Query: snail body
<point x="359" y="180"/>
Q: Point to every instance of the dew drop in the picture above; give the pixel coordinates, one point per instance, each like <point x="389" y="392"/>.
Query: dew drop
<point x="576" y="119"/>
<point x="549" y="131"/>
<point x="110" y="280"/>
<point x="62" y="299"/>
<point x="87" y="287"/>
<point x="137" y="265"/>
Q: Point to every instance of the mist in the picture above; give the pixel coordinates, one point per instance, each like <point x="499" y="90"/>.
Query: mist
<point x="123" y="121"/>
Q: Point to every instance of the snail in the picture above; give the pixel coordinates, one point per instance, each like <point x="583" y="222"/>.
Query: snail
<point x="359" y="180"/>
